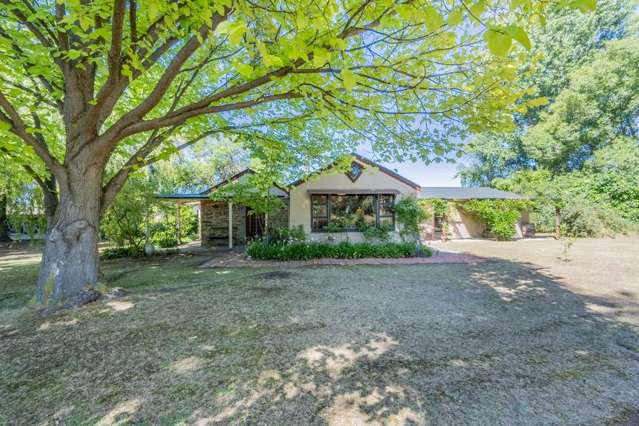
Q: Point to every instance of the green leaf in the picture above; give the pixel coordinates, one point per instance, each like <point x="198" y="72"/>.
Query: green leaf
<point x="301" y="21"/>
<point x="245" y="70"/>
<point x="272" y="61"/>
<point x="520" y="35"/>
<point x="498" y="42"/>
<point x="320" y="57"/>
<point x="538" y="101"/>
<point x="584" y="5"/>
<point x="433" y="18"/>
<point x="349" y="79"/>
<point x="455" y="17"/>
<point x="4" y="126"/>
<point x="478" y="8"/>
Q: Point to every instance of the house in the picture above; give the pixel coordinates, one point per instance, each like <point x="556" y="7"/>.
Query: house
<point x="331" y="202"/>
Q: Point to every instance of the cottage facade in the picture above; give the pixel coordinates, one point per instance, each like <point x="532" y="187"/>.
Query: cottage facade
<point x="336" y="204"/>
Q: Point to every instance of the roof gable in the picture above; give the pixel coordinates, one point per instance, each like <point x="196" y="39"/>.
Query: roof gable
<point x="364" y="161"/>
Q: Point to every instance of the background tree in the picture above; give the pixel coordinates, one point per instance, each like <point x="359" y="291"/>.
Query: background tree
<point x="565" y="43"/>
<point x="84" y="81"/>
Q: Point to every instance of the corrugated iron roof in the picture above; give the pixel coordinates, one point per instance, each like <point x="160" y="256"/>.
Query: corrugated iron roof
<point x="454" y="193"/>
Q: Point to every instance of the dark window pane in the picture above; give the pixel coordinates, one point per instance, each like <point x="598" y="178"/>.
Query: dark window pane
<point x="318" y="200"/>
<point x="320" y="210"/>
<point x="352" y="211"/>
<point x="386" y="203"/>
<point x="386" y="220"/>
<point x="319" y="223"/>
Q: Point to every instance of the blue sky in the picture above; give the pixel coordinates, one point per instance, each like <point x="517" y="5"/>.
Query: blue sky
<point x="436" y="174"/>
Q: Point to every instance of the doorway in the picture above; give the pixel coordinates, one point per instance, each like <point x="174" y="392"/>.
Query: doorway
<point x="254" y="224"/>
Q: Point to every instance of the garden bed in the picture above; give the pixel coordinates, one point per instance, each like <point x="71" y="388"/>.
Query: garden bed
<point x="236" y="259"/>
<point x="345" y="250"/>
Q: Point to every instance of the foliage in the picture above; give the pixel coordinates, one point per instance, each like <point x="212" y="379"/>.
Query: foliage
<point x="500" y="215"/>
<point x="123" y="224"/>
<point x="89" y="84"/>
<point x="282" y="236"/>
<point x="600" y="105"/>
<point x="409" y="214"/>
<point x="374" y="233"/>
<point x="343" y="250"/>
<point x="136" y="207"/>
<point x="565" y="43"/>
<point x="582" y="156"/>
<point x="600" y="199"/>
<point x="121" y="252"/>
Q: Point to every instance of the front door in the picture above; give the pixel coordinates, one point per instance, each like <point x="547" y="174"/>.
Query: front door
<point x="254" y="224"/>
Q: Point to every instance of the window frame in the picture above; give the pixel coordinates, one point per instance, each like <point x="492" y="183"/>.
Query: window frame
<point x="328" y="206"/>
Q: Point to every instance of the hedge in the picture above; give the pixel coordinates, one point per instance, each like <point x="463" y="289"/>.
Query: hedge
<point x="345" y="250"/>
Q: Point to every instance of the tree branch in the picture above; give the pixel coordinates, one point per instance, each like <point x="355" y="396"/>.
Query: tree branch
<point x="179" y="117"/>
<point x="19" y="128"/>
<point x="117" y="26"/>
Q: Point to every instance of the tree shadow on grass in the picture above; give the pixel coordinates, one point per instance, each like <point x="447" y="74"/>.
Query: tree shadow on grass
<point x="495" y="343"/>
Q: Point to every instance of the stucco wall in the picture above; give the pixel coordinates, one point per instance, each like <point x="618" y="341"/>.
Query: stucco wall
<point x="371" y="179"/>
<point x="462" y="224"/>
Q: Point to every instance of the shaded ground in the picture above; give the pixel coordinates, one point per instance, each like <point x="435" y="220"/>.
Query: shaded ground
<point x="496" y="342"/>
<point x="604" y="271"/>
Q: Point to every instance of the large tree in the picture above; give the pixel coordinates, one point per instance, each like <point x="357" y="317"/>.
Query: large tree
<point x="83" y="81"/>
<point x="567" y="42"/>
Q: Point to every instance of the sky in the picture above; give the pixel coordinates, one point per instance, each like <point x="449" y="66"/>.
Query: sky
<point x="436" y="174"/>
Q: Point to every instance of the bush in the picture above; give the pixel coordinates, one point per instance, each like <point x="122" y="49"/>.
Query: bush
<point x="345" y="250"/>
<point x="120" y="252"/>
<point x="410" y="213"/>
<point x="379" y="233"/>
<point x="500" y="215"/>
<point x="165" y="238"/>
<point x="286" y="235"/>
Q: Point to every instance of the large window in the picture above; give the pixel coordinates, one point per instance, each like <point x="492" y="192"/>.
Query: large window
<point x="351" y="212"/>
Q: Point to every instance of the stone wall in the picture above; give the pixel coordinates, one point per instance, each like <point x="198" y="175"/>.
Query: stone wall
<point x="279" y="220"/>
<point x="214" y="223"/>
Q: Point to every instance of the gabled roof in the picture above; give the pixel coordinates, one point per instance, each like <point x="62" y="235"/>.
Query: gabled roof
<point x="454" y="193"/>
<point x="204" y="195"/>
<point x="233" y="178"/>
<point x="364" y="160"/>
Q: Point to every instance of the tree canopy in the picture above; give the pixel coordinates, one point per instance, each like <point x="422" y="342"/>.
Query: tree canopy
<point x="85" y="85"/>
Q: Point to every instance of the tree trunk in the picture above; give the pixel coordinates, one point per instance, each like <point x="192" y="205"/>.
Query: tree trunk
<point x="557" y="222"/>
<point x="70" y="264"/>
<point x="4" y="226"/>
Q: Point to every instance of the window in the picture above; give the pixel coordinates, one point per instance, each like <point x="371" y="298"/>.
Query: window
<point x="319" y="212"/>
<point x="354" y="172"/>
<point x="351" y="212"/>
<point x="385" y="210"/>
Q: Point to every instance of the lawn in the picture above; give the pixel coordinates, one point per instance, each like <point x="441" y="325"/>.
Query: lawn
<point x="497" y="342"/>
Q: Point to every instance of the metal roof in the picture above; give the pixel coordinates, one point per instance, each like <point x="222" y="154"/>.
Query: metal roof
<point x="182" y="196"/>
<point x="456" y="193"/>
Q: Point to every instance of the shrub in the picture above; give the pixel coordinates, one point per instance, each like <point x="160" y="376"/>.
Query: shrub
<point x="500" y="215"/>
<point x="410" y="214"/>
<point x="165" y="238"/>
<point x="379" y="233"/>
<point x="286" y="235"/>
<point x="345" y="250"/>
<point x="119" y="252"/>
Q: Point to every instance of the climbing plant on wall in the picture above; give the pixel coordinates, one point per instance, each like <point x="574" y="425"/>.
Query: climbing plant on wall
<point x="500" y="215"/>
